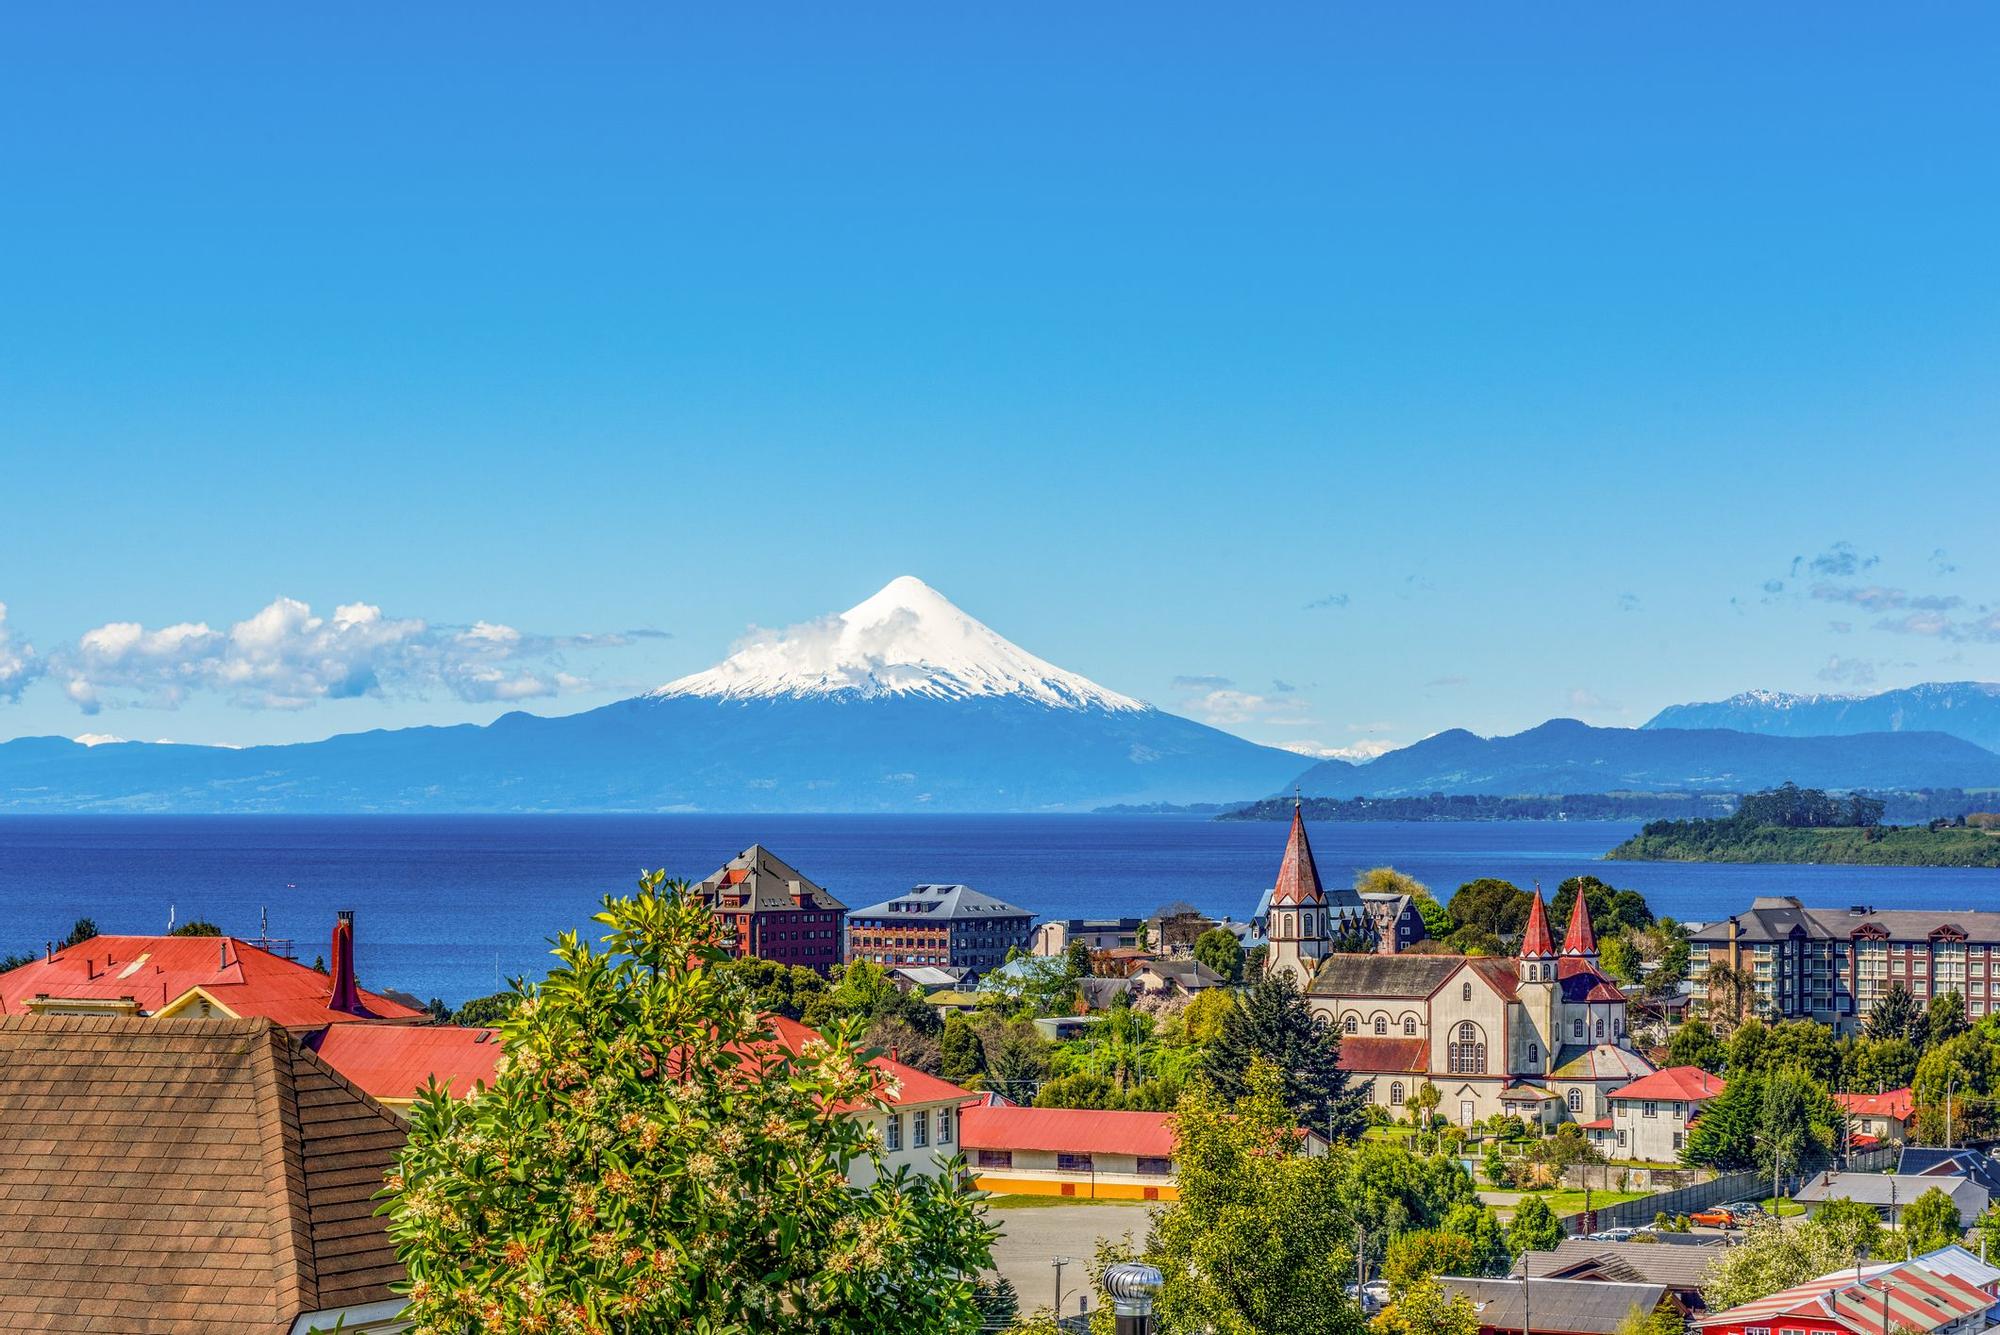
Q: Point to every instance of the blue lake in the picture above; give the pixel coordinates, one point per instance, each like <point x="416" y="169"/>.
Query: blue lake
<point x="447" y="905"/>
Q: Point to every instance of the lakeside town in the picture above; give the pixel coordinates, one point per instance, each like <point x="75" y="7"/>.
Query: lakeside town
<point x="1501" y="1111"/>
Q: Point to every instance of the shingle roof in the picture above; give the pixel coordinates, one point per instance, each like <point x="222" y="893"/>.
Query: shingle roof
<point x="1384" y="1055"/>
<point x="927" y="904"/>
<point x="1583" y="981"/>
<point x="155" y="971"/>
<point x="185" y="1176"/>
<point x="1690" y="1084"/>
<point x="394" y="1061"/>
<point x="1383" y="975"/>
<point x="1776" y="917"/>
<point x="765" y="883"/>
<point x="1567" y="1306"/>
<point x="1298" y="875"/>
<point x="1676" y="1265"/>
<point x="1067" y="1131"/>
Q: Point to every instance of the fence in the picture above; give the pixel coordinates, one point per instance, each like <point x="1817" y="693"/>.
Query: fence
<point x="1732" y="1187"/>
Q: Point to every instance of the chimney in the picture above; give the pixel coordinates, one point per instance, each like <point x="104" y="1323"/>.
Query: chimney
<point x="346" y="993"/>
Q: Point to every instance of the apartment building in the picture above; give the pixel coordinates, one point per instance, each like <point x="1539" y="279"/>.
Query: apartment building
<point x="950" y="926"/>
<point x="774" y="913"/>
<point x="1832" y="965"/>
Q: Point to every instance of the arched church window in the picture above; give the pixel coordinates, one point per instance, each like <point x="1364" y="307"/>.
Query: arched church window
<point x="1576" y="1100"/>
<point x="1576" y="1028"/>
<point x="1600" y="1026"/>
<point x="1347" y="1026"/>
<point x="1466" y="1054"/>
<point x="1409" y="1026"/>
<point x="1465" y="992"/>
<point x="1534" y="1054"/>
<point x="1381" y="1024"/>
<point x="1396" y="1094"/>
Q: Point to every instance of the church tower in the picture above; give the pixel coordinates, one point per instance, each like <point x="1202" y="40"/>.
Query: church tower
<point x="1297" y="925"/>
<point x="1581" y="940"/>
<point x="1538" y="989"/>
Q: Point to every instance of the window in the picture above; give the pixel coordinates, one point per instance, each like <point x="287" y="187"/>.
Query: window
<point x="1680" y="1142"/>
<point x="1576" y="1028"/>
<point x="1465" y="992"/>
<point x="1649" y="1109"/>
<point x="1073" y="1163"/>
<point x="892" y="1134"/>
<point x="996" y="1158"/>
<point x="1396" y="1094"/>
<point x="1680" y="1109"/>
<point x="1381" y="1024"/>
<point x="1600" y="1026"/>
<point x="1576" y="1100"/>
<point x="1348" y="1026"/>
<point x="1153" y="1167"/>
<point x="920" y="1130"/>
<point x="1409" y="1026"/>
<point x="1534" y="1054"/>
<point x="944" y="1126"/>
<point x="1466" y="1055"/>
<point x="1621" y="1138"/>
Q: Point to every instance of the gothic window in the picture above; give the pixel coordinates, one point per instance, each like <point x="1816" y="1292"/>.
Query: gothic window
<point x="1465" y="992"/>
<point x="1576" y="1100"/>
<point x="1396" y="1094"/>
<point x="1534" y="1054"/>
<point x="1347" y="1026"/>
<point x="1381" y="1024"/>
<point x="1466" y="1054"/>
<point x="1576" y="1028"/>
<point x="1600" y="1026"/>
<point x="1410" y="1025"/>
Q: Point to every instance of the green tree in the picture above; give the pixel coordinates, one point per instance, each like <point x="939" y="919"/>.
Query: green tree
<point x="1438" y="922"/>
<point x="1620" y="958"/>
<point x="1747" y="1044"/>
<point x="1498" y="908"/>
<point x="999" y="1305"/>
<point x="1799" y="1123"/>
<point x="1424" y="1101"/>
<point x="1080" y="1091"/>
<point x="1695" y="1044"/>
<point x="961" y="1056"/>
<point x="1219" y="949"/>
<point x="1423" y="1253"/>
<point x="1960" y="1077"/>
<point x="1930" y="1222"/>
<point x="1535" y="1227"/>
<point x="1804" y="1045"/>
<point x="1670" y="970"/>
<point x="651" y="1158"/>
<point x="1894" y="1015"/>
<point x="198" y="927"/>
<point x="1255" y="1244"/>
<point x="1386" y="1190"/>
<point x="1770" y="1259"/>
<point x="1471" y="1219"/>
<point x="485" y="1012"/>
<point x="1944" y="1018"/>
<point x="1873" y="1065"/>
<point x="1611" y="911"/>
<point x="1272" y="1021"/>
<point x="1857" y="1226"/>
<point x="1428" y="1310"/>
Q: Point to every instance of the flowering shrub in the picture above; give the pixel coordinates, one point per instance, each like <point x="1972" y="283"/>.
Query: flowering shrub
<point x="650" y="1158"/>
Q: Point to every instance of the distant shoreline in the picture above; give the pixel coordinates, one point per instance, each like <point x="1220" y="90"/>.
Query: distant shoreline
<point x="1852" y="846"/>
<point x="1440" y="807"/>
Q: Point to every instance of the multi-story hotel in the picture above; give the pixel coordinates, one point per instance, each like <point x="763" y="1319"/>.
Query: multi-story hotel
<point x="773" y="912"/>
<point x="951" y="926"/>
<point x="1832" y="965"/>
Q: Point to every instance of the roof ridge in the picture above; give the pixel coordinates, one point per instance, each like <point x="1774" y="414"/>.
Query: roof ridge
<point x="281" y="1145"/>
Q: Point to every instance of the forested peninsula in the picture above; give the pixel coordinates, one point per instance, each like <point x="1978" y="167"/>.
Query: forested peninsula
<point x="1806" y="825"/>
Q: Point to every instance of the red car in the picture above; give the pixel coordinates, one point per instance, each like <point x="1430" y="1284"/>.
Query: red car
<point x="1715" y="1218"/>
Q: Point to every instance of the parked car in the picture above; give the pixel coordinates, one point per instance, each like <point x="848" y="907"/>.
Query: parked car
<point x="1619" y="1234"/>
<point x="1720" y="1216"/>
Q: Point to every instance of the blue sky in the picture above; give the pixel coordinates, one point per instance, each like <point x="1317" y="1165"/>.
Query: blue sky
<point x="1337" y="373"/>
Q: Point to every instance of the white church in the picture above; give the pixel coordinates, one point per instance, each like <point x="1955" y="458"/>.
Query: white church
<point x="1543" y="1035"/>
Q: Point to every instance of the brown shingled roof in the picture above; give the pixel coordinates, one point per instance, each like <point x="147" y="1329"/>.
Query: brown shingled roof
<point x="183" y="1176"/>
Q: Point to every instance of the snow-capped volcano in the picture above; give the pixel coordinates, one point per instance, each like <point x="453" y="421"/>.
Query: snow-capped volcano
<point x="908" y="639"/>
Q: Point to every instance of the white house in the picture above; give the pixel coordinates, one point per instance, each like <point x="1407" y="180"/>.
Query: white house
<point x="1650" y="1117"/>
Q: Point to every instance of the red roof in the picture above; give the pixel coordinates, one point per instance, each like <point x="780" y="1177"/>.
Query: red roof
<point x="1582" y="939"/>
<point x="1601" y="1124"/>
<point x="1298" y="875"/>
<point x="1067" y="1131"/>
<point x="1536" y="942"/>
<point x="916" y="1086"/>
<point x="154" y="971"/>
<point x="1690" y="1084"/>
<point x="394" y="1061"/>
<point x="1584" y="981"/>
<point x="1358" y="1053"/>
<point x="1896" y="1103"/>
<point x="1907" y="1297"/>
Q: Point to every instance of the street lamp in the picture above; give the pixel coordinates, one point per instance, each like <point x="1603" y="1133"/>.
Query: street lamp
<point x="1059" y="1263"/>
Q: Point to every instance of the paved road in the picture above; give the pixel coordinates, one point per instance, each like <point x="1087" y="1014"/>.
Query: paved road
<point x="1031" y="1238"/>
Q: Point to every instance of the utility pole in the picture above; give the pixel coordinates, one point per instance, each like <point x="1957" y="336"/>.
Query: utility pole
<point x="1059" y="1263"/>
<point x="1527" y="1322"/>
<point x="1950" y="1087"/>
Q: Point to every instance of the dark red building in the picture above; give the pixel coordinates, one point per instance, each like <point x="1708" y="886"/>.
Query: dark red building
<point x="774" y="913"/>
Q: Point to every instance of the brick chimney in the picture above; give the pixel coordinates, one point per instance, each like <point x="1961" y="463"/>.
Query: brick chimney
<point x="346" y="994"/>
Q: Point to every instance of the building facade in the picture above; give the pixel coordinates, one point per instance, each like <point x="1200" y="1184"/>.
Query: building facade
<point x="1544" y="1035"/>
<point x="1053" y="938"/>
<point x="1833" y="965"/>
<point x="1398" y="924"/>
<point x="1650" y="1117"/>
<point x="951" y="926"/>
<point x="773" y="913"/>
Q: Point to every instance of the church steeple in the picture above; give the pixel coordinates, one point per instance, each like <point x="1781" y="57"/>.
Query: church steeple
<point x="1297" y="924"/>
<point x="1536" y="942"/>
<point x="1298" y="875"/>
<point x="1582" y="938"/>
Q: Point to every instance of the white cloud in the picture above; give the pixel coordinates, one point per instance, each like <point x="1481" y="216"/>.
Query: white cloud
<point x="1227" y="706"/>
<point x="287" y="657"/>
<point x="18" y="664"/>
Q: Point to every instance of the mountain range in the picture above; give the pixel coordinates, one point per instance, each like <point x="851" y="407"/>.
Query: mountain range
<point x="905" y="703"/>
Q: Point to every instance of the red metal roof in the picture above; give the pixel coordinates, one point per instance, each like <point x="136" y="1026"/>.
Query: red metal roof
<point x="1361" y="1053"/>
<point x="1582" y="939"/>
<point x="1601" y="1124"/>
<point x="1690" y="1084"/>
<point x="1905" y="1297"/>
<point x="394" y="1061"/>
<point x="1298" y="875"/>
<point x="1896" y="1103"/>
<point x="155" y="971"/>
<point x="1536" y="942"/>
<point x="1067" y="1131"/>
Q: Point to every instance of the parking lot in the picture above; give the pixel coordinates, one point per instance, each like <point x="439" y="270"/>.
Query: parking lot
<point x="1032" y="1236"/>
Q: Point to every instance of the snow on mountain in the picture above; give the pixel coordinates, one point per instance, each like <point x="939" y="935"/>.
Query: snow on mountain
<point x="909" y="640"/>
<point x="1964" y="709"/>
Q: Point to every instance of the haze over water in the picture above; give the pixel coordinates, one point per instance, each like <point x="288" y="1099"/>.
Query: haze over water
<point x="446" y="904"/>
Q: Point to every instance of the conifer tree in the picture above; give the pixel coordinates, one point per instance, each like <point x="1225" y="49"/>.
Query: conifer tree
<point x="1272" y="1021"/>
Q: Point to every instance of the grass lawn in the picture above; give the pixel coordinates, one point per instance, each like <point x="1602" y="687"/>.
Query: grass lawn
<point x="1391" y="1133"/>
<point x="1783" y="1209"/>
<point x="1039" y="1202"/>
<point x="1568" y="1201"/>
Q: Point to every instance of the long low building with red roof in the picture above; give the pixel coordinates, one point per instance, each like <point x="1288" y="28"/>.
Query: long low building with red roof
<point x="197" y="978"/>
<point x="1914" y="1297"/>
<point x="1088" y="1153"/>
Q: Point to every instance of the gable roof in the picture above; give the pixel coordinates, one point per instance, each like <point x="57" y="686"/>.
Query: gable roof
<point x="154" y="972"/>
<point x="392" y="1062"/>
<point x="1066" y="1131"/>
<point x="1568" y="1306"/>
<point x="911" y="1086"/>
<point x="1681" y="1267"/>
<point x="1885" y="1189"/>
<point x="198" y="1175"/>
<point x="1896" y="1103"/>
<point x="759" y="881"/>
<point x="1911" y="1296"/>
<point x="1582" y="981"/>
<point x="1689" y="1084"/>
<point x="1933" y="1161"/>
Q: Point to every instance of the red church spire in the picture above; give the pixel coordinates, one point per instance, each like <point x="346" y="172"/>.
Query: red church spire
<point x="1582" y="939"/>
<point x="1536" y="942"/>
<point x="1298" y="876"/>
